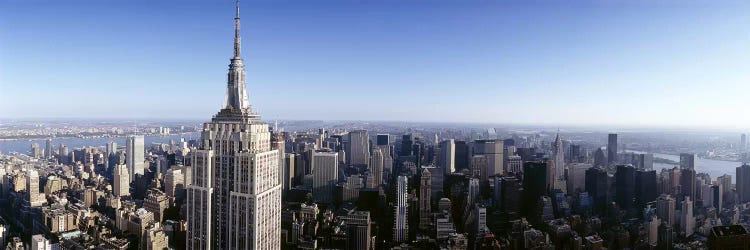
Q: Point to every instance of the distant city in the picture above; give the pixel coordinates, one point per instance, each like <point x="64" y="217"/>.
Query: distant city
<point x="238" y="181"/>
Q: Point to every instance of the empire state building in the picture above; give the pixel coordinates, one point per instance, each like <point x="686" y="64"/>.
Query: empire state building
<point x="234" y="201"/>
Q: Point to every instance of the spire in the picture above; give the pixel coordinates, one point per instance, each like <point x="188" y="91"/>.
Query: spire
<point x="236" y="101"/>
<point x="237" y="30"/>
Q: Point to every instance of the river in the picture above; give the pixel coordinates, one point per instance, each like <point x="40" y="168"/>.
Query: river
<point x="24" y="146"/>
<point x="714" y="168"/>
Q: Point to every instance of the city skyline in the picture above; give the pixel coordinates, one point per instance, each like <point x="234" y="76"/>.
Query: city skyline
<point x="536" y="63"/>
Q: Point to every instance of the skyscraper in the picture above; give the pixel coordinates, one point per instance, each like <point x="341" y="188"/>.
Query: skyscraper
<point x="358" y="230"/>
<point x="448" y="156"/>
<point x="32" y="187"/>
<point x="425" y="205"/>
<point x="743" y="183"/>
<point x="135" y="155"/>
<point x="376" y="167"/>
<point x="612" y="149"/>
<point x="234" y="201"/>
<point x="687" y="221"/>
<point x="665" y="209"/>
<point x="358" y="148"/>
<point x="48" y="148"/>
<point x="325" y="168"/>
<point x="534" y="185"/>
<point x="493" y="150"/>
<point x="401" y="211"/>
<point x="625" y="181"/>
<point x="559" y="164"/>
<point x="687" y="161"/>
<point x="122" y="181"/>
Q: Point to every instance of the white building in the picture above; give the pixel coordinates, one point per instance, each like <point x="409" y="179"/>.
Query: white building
<point x="234" y="200"/>
<point x="122" y="181"/>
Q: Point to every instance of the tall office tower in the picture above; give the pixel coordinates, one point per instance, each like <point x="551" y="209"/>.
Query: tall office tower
<point x="725" y="181"/>
<point x="376" y="167"/>
<point x="511" y="194"/>
<point x="687" y="183"/>
<point x="687" y="221"/>
<point x="48" y="148"/>
<point x="325" y="168"/>
<point x="122" y="181"/>
<point x="234" y="201"/>
<point x="32" y="187"/>
<point x="472" y="192"/>
<point x="462" y="155"/>
<point x="383" y="139"/>
<point x="665" y="206"/>
<point x="666" y="236"/>
<point x="109" y="157"/>
<point x="597" y="185"/>
<point x="643" y="161"/>
<point x="36" y="152"/>
<point x="401" y="211"/>
<point x="135" y="155"/>
<point x="278" y="144"/>
<point x="358" y="148"/>
<point x="514" y="164"/>
<point x="38" y="242"/>
<point x="707" y="196"/>
<point x="559" y="163"/>
<point x="576" y="153"/>
<point x="743" y="183"/>
<point x="535" y="184"/>
<point x="448" y="156"/>
<point x="407" y="143"/>
<point x="289" y="171"/>
<point x="611" y="149"/>
<point x="600" y="159"/>
<point x="493" y="149"/>
<point x="384" y="144"/>
<point x="625" y="186"/>
<point x="743" y="143"/>
<point x="425" y="201"/>
<point x="652" y="230"/>
<point x="358" y="230"/>
<point x="687" y="161"/>
<point x="174" y="183"/>
<point x="645" y="187"/>
<point x="576" y="181"/>
<point x="718" y="198"/>
<point x="62" y="153"/>
<point x="479" y="167"/>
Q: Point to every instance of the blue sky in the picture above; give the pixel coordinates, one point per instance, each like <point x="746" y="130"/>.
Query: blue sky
<point x="660" y="63"/>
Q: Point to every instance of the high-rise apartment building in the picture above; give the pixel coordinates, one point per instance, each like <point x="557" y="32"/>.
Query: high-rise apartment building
<point x="234" y="200"/>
